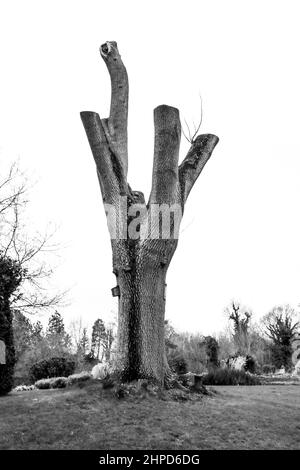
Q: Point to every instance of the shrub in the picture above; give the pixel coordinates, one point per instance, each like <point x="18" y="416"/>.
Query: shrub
<point x="59" y="382"/>
<point x="54" y="382"/>
<point x="24" y="388"/>
<point x="62" y="382"/>
<point x="268" y="369"/>
<point x="78" y="378"/>
<point x="230" y="377"/>
<point x="250" y="364"/>
<point x="42" y="384"/>
<point x="54" y="367"/>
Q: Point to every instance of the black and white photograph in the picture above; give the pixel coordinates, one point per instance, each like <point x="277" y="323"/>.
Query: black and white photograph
<point x="149" y="231"/>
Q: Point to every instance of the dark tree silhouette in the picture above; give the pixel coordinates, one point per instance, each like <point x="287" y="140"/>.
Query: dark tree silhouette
<point x="212" y="352"/>
<point x="143" y="247"/>
<point x="11" y="274"/>
<point x="281" y="327"/>
<point x="56" y="334"/>
<point x="98" y="338"/>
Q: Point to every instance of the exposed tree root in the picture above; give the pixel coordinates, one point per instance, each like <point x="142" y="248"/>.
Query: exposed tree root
<point x="181" y="388"/>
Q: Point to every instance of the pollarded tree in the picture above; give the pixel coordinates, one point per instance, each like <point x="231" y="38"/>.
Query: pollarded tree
<point x="143" y="236"/>
<point x="241" y="323"/>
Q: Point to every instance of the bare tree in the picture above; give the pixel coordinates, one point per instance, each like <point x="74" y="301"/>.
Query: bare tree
<point x="241" y="323"/>
<point x="76" y="330"/>
<point x="27" y="251"/>
<point x="141" y="249"/>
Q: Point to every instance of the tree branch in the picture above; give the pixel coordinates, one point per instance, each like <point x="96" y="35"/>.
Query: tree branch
<point x="117" y="122"/>
<point x="110" y="171"/>
<point x="166" y="152"/>
<point x="194" y="162"/>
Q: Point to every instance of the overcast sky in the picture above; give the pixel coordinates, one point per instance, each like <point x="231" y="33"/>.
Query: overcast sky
<point x="241" y="229"/>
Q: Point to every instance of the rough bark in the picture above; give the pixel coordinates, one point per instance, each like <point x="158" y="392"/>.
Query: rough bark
<point x="141" y="260"/>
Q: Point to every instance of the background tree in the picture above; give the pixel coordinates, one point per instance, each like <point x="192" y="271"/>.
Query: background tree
<point x="57" y="337"/>
<point x="141" y="261"/>
<point x="108" y="341"/>
<point x="259" y="346"/>
<point x="241" y="324"/>
<point x="11" y="274"/>
<point x="37" y="332"/>
<point x="80" y="343"/>
<point x="212" y="352"/>
<point x="170" y="336"/>
<point x="24" y="332"/>
<point x="98" y="339"/>
<point x="29" y="249"/>
<point x="281" y="326"/>
<point x="22" y="269"/>
<point x="76" y="330"/>
<point x="84" y="342"/>
<point x="226" y="345"/>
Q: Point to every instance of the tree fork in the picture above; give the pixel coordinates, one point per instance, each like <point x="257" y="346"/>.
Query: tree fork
<point x="140" y="262"/>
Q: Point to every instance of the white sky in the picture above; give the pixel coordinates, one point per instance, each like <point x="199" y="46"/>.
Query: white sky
<point x="241" y="229"/>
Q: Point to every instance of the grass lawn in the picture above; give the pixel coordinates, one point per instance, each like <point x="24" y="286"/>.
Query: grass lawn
<point x="256" y="417"/>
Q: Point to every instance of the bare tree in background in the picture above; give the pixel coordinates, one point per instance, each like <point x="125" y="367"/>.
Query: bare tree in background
<point x="21" y="270"/>
<point x="140" y="263"/>
<point x="241" y="324"/>
<point x="29" y="252"/>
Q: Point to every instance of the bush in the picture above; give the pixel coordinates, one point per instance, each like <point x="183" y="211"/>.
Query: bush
<point x="24" y="388"/>
<point x="62" y="382"/>
<point x="54" y="382"/>
<point x="250" y="364"/>
<point x="59" y="382"/>
<point x="43" y="384"/>
<point x="54" y="367"/>
<point x="268" y="369"/>
<point x="230" y="377"/>
<point x="78" y="378"/>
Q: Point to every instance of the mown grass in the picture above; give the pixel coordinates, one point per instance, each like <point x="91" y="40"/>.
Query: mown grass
<point x="254" y="417"/>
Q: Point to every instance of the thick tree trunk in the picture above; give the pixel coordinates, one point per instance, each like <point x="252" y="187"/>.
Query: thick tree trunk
<point x="143" y="237"/>
<point x="141" y="323"/>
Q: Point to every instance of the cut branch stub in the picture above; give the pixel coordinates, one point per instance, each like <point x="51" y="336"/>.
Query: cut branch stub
<point x="166" y="153"/>
<point x="118" y="117"/>
<point x="110" y="171"/>
<point x="194" y="162"/>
